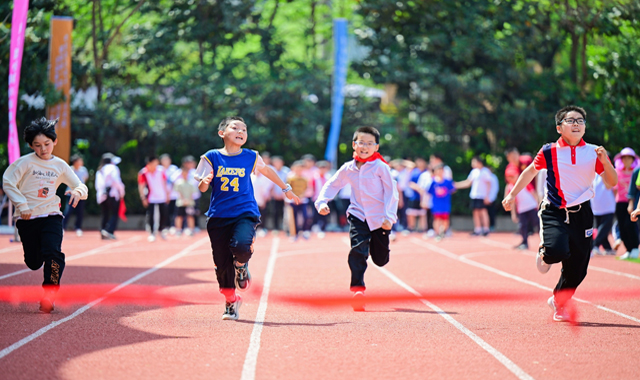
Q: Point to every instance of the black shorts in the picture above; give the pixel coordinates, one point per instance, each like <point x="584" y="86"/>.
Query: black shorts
<point x="186" y="211"/>
<point x="477" y="204"/>
<point x="414" y="204"/>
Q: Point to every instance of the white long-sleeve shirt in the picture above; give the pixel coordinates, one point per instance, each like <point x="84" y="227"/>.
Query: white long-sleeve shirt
<point x="374" y="194"/>
<point x="31" y="183"/>
<point x="108" y="177"/>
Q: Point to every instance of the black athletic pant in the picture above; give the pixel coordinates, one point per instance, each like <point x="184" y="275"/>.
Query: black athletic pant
<point x="604" y="224"/>
<point x="42" y="244"/>
<point x="527" y="222"/>
<point x="110" y="208"/>
<point x="231" y="240"/>
<point x="163" y="217"/>
<point x="567" y="243"/>
<point x="628" y="229"/>
<point x="365" y="242"/>
<point x="78" y="211"/>
<point x="276" y="213"/>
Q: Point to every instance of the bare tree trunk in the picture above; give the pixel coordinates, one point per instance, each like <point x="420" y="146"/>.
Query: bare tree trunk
<point x="96" y="59"/>
<point x="312" y="31"/>
<point x="584" y="60"/>
<point x="575" y="40"/>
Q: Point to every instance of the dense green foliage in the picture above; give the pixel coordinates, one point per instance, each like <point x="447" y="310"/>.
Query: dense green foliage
<point x="472" y="77"/>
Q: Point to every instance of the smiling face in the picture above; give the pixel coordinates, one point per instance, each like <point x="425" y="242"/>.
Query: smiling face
<point x="43" y="146"/>
<point x="234" y="134"/>
<point x="572" y="132"/>
<point x="365" y="145"/>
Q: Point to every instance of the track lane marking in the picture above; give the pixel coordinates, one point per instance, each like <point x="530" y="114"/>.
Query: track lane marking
<point x="500" y="357"/>
<point x="78" y="256"/>
<point x="596" y="268"/>
<point x="251" y="359"/>
<point x="6" y="351"/>
<point x="453" y="256"/>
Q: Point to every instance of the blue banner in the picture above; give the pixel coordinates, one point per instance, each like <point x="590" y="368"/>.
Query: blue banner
<point x="337" y="96"/>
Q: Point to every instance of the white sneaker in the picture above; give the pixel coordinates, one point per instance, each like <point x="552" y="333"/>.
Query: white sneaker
<point x="634" y="253"/>
<point x="625" y="256"/>
<point x="559" y="313"/>
<point x="540" y="264"/>
<point x="163" y="234"/>
<point x="151" y="238"/>
<point x="261" y="232"/>
<point x="595" y="251"/>
<point x="431" y="233"/>
<point x="79" y="232"/>
<point x="616" y="244"/>
<point x="392" y="236"/>
<point x="306" y="235"/>
<point x="231" y="310"/>
<point x="321" y="235"/>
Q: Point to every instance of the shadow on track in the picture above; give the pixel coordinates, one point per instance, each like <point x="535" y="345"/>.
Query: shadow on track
<point x="277" y="324"/>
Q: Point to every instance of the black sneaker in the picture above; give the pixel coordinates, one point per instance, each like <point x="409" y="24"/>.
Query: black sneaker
<point x="231" y="309"/>
<point x="243" y="277"/>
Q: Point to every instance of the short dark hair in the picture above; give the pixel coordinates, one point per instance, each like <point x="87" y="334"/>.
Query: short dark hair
<point x="165" y="155"/>
<point x="479" y="159"/>
<point x="560" y="115"/>
<point x="188" y="158"/>
<point x="437" y="155"/>
<point x="511" y="150"/>
<point x="308" y="156"/>
<point x="369" y="130"/>
<point x="40" y="126"/>
<point x="228" y="120"/>
<point x="149" y="158"/>
<point x="75" y="158"/>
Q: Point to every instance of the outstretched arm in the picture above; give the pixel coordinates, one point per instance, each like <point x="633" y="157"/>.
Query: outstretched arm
<point x="268" y="172"/>
<point x="525" y="178"/>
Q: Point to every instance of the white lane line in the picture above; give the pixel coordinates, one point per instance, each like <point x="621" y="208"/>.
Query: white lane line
<point x="80" y="255"/>
<point x="591" y="266"/>
<point x="251" y="359"/>
<point x="511" y="366"/>
<point x="453" y="256"/>
<point x="6" y="351"/>
<point x="9" y="249"/>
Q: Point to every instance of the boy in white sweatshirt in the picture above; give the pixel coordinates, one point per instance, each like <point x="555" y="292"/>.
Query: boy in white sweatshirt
<point x="30" y="183"/>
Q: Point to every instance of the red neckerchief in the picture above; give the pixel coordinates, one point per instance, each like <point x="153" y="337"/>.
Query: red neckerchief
<point x="375" y="156"/>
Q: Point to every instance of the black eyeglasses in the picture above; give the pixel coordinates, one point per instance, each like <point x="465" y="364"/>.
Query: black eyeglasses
<point x="576" y="121"/>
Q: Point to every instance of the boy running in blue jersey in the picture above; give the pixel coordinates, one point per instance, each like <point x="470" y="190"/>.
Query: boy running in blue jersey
<point x="233" y="211"/>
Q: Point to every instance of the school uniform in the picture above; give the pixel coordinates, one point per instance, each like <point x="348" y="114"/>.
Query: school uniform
<point x="157" y="210"/>
<point x="566" y="217"/>
<point x="233" y="213"/>
<point x="374" y="198"/>
<point x="480" y="187"/>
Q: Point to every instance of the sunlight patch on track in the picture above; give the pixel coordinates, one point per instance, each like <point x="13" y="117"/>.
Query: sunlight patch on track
<point x="6" y="351"/>
<point x="465" y="260"/>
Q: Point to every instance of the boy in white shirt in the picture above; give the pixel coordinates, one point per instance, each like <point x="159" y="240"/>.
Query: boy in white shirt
<point x="372" y="212"/>
<point x="31" y="183"/>
<point x="526" y="211"/>
<point x="479" y="180"/>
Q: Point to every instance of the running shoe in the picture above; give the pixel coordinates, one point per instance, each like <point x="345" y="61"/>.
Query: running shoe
<point x="358" y="301"/>
<point x="243" y="277"/>
<point x="231" y="309"/>
<point x="540" y="264"/>
<point x="559" y="313"/>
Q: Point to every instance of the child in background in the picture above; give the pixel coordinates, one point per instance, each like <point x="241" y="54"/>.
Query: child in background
<point x="479" y="180"/>
<point x="233" y="211"/>
<point x="440" y="190"/>
<point x="526" y="211"/>
<point x="31" y="182"/>
<point x="155" y="194"/>
<point x="603" y="205"/>
<point x="372" y="212"/>
<point x="185" y="204"/>
<point x="625" y="162"/>
<point x="320" y="221"/>
<point x="300" y="185"/>
<point x="416" y="214"/>
<point x="77" y="165"/>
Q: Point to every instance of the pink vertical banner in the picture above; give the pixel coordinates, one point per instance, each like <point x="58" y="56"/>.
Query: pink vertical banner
<point x="18" y="26"/>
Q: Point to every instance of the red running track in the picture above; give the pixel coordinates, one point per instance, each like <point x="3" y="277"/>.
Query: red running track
<point x="288" y="329"/>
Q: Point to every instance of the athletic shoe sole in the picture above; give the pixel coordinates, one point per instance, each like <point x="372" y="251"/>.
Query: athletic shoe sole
<point x="236" y="309"/>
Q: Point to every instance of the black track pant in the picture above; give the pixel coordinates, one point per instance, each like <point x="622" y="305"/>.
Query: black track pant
<point x="231" y="240"/>
<point x="567" y="243"/>
<point x="628" y="229"/>
<point x="604" y="224"/>
<point x="42" y="244"/>
<point x="365" y="242"/>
